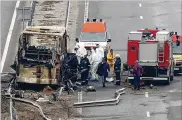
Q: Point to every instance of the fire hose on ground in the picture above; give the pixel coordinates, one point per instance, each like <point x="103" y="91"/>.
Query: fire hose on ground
<point x="32" y="103"/>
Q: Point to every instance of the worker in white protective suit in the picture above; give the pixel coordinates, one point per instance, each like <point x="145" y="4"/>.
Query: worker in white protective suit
<point x="94" y="61"/>
<point x="99" y="52"/>
<point x="77" y="52"/>
<point x="81" y="52"/>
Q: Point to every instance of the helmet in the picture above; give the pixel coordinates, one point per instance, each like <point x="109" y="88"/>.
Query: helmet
<point x="104" y="59"/>
<point x="117" y="55"/>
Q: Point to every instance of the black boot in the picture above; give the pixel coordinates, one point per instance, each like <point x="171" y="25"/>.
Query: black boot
<point x="118" y="82"/>
<point x="86" y="82"/>
<point x="103" y="84"/>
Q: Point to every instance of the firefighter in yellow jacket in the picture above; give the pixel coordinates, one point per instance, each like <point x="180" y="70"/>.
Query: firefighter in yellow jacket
<point x="111" y="58"/>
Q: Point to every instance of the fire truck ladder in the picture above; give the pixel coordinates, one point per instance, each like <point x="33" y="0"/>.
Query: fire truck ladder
<point x="161" y="52"/>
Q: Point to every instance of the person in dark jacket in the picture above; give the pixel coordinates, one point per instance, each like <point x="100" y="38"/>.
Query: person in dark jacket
<point x="117" y="69"/>
<point x="71" y="66"/>
<point x="73" y="61"/>
<point x="137" y="73"/>
<point x="84" y="64"/>
<point x="102" y="71"/>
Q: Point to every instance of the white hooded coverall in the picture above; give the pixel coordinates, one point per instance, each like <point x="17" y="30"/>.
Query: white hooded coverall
<point x="100" y="53"/>
<point x="94" y="61"/>
<point x="81" y="52"/>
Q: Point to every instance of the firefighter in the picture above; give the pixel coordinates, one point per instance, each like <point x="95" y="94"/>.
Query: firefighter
<point x="110" y="58"/>
<point x="117" y="69"/>
<point x="72" y="67"/>
<point x="102" y="71"/>
<point x="84" y="64"/>
<point x="137" y="73"/>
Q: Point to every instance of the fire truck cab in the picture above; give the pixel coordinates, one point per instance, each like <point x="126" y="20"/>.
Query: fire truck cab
<point x="154" y="52"/>
<point x="149" y="32"/>
<point x="92" y="33"/>
<point x="177" y="53"/>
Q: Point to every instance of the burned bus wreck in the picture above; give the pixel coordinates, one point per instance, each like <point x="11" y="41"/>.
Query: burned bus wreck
<point x="38" y="60"/>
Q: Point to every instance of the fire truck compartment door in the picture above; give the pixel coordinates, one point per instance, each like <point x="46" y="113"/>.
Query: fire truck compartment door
<point x="148" y="52"/>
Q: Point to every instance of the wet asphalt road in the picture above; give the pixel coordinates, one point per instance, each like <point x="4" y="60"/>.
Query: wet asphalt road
<point x="123" y="17"/>
<point x="7" y="10"/>
<point x="164" y="102"/>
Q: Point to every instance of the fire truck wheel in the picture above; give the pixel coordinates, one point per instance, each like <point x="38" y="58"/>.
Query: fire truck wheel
<point x="168" y="81"/>
<point x="172" y="78"/>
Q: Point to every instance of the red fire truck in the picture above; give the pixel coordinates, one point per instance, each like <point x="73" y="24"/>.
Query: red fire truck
<point x="153" y="50"/>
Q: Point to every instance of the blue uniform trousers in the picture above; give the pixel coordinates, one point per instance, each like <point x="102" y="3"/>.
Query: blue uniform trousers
<point x="118" y="76"/>
<point x="136" y="82"/>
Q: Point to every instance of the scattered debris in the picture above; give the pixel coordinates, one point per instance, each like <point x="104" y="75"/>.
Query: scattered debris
<point x="109" y="79"/>
<point x="151" y="86"/>
<point x="47" y="90"/>
<point x="53" y="109"/>
<point x="90" y="89"/>
<point x="42" y="100"/>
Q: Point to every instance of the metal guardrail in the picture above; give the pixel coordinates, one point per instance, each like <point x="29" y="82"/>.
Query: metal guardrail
<point x="67" y="14"/>
<point x="8" y="73"/>
<point x="32" y="12"/>
<point x="96" y="103"/>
